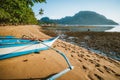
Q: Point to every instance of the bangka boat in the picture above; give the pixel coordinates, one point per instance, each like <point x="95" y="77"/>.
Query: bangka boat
<point x="11" y="46"/>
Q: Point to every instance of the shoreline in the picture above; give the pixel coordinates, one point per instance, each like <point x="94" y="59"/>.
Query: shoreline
<point x="88" y="65"/>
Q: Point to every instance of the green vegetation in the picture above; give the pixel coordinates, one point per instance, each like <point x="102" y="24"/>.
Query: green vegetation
<point x="14" y="12"/>
<point x="46" y="20"/>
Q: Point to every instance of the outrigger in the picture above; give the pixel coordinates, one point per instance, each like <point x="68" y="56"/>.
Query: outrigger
<point x="11" y="47"/>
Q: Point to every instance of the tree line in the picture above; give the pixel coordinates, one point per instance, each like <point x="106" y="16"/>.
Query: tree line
<point x="14" y="12"/>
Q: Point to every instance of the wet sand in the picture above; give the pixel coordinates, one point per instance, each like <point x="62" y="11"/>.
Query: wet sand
<point x="87" y="65"/>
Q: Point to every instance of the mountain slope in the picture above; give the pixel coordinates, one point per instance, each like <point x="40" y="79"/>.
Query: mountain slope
<point x="83" y="18"/>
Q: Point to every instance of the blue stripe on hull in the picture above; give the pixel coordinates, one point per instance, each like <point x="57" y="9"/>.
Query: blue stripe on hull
<point x="10" y="55"/>
<point x="21" y="42"/>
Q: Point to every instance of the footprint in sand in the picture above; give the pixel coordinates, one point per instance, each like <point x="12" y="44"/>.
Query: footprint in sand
<point x="114" y="62"/>
<point x="94" y="62"/>
<point x="72" y="56"/>
<point x="72" y="51"/>
<point x="97" y="65"/>
<point x="87" y="55"/>
<point x="63" y="46"/>
<point x="79" y="60"/>
<point x="54" y="46"/>
<point x="80" y="55"/>
<point x="44" y="58"/>
<point x="25" y="60"/>
<point x="98" y="77"/>
<point x="108" y="69"/>
<point x="85" y="59"/>
<point x="84" y="67"/>
<point x="66" y="49"/>
<point x="100" y="70"/>
<point x="91" y="61"/>
<point x="118" y="75"/>
<point x="69" y="49"/>
<point x="90" y="77"/>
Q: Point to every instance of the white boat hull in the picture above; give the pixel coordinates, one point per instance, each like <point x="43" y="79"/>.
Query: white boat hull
<point x="8" y="52"/>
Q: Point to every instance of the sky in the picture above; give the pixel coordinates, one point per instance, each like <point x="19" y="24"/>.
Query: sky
<point x="56" y="9"/>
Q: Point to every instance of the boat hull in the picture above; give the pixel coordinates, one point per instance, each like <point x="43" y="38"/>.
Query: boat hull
<point x="13" y="51"/>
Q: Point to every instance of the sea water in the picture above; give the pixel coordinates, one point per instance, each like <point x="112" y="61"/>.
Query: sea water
<point x="83" y="28"/>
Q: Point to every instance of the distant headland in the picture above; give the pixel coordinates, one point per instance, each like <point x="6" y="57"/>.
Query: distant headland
<point x="81" y="18"/>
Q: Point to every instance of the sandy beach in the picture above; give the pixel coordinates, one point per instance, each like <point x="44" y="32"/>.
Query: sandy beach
<point x="87" y="65"/>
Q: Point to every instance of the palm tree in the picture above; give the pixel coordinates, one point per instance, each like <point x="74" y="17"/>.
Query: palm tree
<point x="41" y="11"/>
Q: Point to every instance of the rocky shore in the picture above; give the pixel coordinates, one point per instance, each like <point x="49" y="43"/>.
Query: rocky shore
<point x="105" y="43"/>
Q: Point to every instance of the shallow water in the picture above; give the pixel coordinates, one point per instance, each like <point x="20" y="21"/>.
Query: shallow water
<point x="83" y="28"/>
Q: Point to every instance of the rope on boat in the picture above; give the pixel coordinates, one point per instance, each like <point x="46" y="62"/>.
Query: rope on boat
<point x="70" y="67"/>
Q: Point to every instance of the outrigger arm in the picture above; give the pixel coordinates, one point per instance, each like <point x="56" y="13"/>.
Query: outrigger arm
<point x="70" y="67"/>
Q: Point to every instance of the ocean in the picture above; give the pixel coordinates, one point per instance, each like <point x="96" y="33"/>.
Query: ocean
<point x="81" y="28"/>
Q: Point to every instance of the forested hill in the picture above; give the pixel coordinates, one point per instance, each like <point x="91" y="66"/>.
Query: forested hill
<point x="17" y="12"/>
<point x="82" y="18"/>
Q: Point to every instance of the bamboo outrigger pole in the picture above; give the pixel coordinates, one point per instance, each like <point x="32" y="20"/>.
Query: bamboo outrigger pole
<point x="70" y="67"/>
